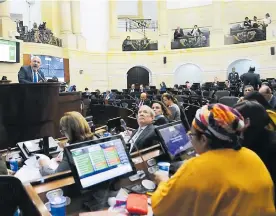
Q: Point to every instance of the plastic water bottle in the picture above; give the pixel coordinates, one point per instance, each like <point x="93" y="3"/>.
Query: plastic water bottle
<point x="14" y="164"/>
<point x="106" y="134"/>
<point x="11" y="160"/>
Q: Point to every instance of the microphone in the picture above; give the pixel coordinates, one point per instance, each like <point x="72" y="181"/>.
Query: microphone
<point x="41" y="77"/>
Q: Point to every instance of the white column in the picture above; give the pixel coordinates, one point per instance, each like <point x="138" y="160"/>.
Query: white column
<point x="76" y="24"/>
<point x="76" y="21"/>
<point x="114" y="42"/>
<point x="164" y="39"/>
<point x="113" y="18"/>
<point x="68" y="39"/>
<point x="217" y="32"/>
<point x="65" y="17"/>
<point x="5" y="9"/>
<point x="7" y="26"/>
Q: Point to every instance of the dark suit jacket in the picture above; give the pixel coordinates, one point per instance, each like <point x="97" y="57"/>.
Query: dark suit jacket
<point x="146" y="102"/>
<point x="147" y="138"/>
<point x="25" y="75"/>
<point x="272" y="102"/>
<point x="250" y="78"/>
<point x="161" y="120"/>
<point x="178" y="34"/>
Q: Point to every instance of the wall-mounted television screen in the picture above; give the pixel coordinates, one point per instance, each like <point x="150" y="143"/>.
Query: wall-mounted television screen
<point x="10" y="51"/>
<point x="52" y="66"/>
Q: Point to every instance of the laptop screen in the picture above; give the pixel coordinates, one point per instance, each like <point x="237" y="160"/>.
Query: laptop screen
<point x="174" y="138"/>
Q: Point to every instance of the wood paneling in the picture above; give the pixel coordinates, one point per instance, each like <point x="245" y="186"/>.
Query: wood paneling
<point x="66" y="70"/>
<point x="26" y="59"/>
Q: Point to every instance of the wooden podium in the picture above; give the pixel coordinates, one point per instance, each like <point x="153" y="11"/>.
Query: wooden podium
<point x="27" y="111"/>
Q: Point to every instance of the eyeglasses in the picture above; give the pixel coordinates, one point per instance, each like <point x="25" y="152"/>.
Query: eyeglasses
<point x="62" y="131"/>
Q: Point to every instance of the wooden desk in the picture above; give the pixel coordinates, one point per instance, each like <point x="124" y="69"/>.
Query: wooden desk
<point x="36" y="200"/>
<point x="38" y="190"/>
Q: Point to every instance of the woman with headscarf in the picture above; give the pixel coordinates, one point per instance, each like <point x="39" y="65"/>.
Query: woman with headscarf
<point x="226" y="179"/>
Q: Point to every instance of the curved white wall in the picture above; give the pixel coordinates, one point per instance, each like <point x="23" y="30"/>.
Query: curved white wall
<point x="242" y="66"/>
<point x="188" y="72"/>
<point x="95" y="24"/>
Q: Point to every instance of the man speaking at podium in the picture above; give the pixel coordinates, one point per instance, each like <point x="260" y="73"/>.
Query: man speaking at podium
<point x="31" y="74"/>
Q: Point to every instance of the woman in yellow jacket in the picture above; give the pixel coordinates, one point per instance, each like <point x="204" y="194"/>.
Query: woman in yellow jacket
<point x="225" y="180"/>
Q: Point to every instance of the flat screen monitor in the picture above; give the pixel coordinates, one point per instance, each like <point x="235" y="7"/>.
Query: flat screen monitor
<point x="174" y="139"/>
<point x="97" y="161"/>
<point x="10" y="51"/>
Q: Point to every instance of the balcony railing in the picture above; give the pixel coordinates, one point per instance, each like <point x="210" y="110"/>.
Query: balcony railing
<point x="137" y="25"/>
<point x="38" y="35"/>
<point x="139" y="45"/>
<point x="190" y="41"/>
<point x="240" y="34"/>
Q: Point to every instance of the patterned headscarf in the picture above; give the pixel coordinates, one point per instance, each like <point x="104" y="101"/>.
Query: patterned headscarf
<point x="219" y="120"/>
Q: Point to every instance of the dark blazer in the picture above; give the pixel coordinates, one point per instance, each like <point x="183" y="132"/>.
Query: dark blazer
<point x="161" y="120"/>
<point x="178" y="34"/>
<point x="147" y="138"/>
<point x="250" y="78"/>
<point x="146" y="102"/>
<point x="25" y="75"/>
<point x="272" y="102"/>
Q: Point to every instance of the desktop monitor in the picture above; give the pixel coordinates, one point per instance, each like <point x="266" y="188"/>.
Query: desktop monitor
<point x="98" y="161"/>
<point x="174" y="139"/>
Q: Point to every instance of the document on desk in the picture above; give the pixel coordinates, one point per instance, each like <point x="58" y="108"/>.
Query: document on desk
<point x="30" y="171"/>
<point x="27" y="174"/>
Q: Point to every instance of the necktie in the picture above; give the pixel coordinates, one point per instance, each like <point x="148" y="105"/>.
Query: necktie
<point x="35" y="77"/>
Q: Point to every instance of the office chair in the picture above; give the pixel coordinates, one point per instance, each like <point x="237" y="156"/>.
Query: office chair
<point x="228" y="100"/>
<point x="13" y="196"/>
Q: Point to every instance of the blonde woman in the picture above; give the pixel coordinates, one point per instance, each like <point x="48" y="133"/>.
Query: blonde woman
<point x="76" y="129"/>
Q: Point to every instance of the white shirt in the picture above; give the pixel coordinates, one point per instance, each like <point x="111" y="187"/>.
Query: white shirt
<point x="267" y="20"/>
<point x="135" y="137"/>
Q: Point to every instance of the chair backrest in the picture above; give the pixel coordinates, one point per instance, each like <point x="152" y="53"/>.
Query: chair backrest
<point x="14" y="196"/>
<point x="220" y="94"/>
<point x="228" y="100"/>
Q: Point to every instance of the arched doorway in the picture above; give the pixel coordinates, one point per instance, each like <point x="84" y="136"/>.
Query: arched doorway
<point x="137" y="75"/>
<point x="188" y="72"/>
<point x="242" y="66"/>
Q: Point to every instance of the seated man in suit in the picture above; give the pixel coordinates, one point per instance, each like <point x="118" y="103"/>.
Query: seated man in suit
<point x="143" y="100"/>
<point x="31" y="74"/>
<point x="267" y="93"/>
<point x="178" y="33"/>
<point x="108" y="95"/>
<point x="145" y="136"/>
